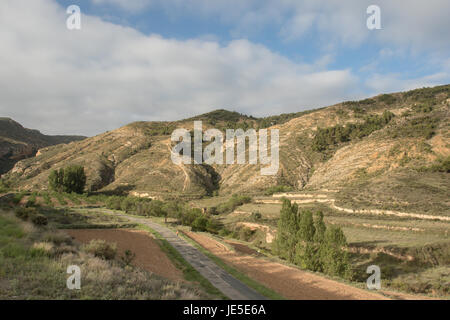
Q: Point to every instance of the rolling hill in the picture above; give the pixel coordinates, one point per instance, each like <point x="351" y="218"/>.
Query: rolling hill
<point x="391" y="150"/>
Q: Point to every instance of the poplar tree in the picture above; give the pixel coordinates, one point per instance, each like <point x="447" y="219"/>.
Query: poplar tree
<point x="285" y="241"/>
<point x="320" y="228"/>
<point x="306" y="227"/>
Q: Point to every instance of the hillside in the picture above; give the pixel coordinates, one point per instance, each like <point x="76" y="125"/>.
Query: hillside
<point x="17" y="142"/>
<point x="391" y="150"/>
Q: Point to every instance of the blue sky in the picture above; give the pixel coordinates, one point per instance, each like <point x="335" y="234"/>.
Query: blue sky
<point x="174" y="22"/>
<point x="169" y="59"/>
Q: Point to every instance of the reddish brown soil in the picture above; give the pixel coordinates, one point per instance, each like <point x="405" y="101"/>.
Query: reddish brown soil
<point x="149" y="255"/>
<point x="290" y="282"/>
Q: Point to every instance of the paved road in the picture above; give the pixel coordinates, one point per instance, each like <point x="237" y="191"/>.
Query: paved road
<point x="222" y="280"/>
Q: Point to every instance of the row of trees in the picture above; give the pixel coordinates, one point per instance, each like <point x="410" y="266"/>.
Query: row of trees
<point x="69" y="179"/>
<point x="185" y="215"/>
<point x="306" y="241"/>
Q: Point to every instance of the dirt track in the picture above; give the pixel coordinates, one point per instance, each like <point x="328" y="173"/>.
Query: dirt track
<point x="149" y="255"/>
<point x="290" y="282"/>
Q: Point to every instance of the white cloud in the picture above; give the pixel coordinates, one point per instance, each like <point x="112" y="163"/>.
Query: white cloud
<point x="130" y="5"/>
<point x="385" y="83"/>
<point x="415" y="24"/>
<point x="106" y="75"/>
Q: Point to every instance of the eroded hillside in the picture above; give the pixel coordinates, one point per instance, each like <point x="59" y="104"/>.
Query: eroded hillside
<point x="385" y="150"/>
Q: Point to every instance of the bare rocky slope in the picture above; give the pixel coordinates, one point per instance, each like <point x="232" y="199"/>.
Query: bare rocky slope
<point x="365" y="155"/>
<point x="17" y="142"/>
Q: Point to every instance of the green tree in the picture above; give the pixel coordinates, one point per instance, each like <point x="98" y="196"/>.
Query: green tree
<point x="335" y="236"/>
<point x="74" y="179"/>
<point x="306" y="227"/>
<point x="320" y="228"/>
<point x="332" y="254"/>
<point x="286" y="241"/>
<point x="55" y="180"/>
<point x="335" y="261"/>
<point x="69" y="179"/>
<point x="307" y="256"/>
<point x="199" y="224"/>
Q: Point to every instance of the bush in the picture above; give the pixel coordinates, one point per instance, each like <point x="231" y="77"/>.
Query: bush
<point x="128" y="257"/>
<point x="31" y="202"/>
<point x="224" y="232"/>
<point x="423" y="108"/>
<point x="114" y="203"/>
<point x="420" y="127"/>
<point x="213" y="226"/>
<point x="18" y="197"/>
<point x="256" y="216"/>
<point x="47" y="199"/>
<point x="128" y="205"/>
<point x="101" y="249"/>
<point x="190" y="216"/>
<point x="199" y="224"/>
<point x="4" y="186"/>
<point x="274" y="189"/>
<point x="39" y="220"/>
<point x="57" y="238"/>
<point x="23" y="213"/>
<point x="234" y="202"/>
<point x="387" y="98"/>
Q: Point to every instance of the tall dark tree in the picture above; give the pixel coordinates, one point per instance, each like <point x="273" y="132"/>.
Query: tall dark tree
<point x="285" y="241"/>
<point x="69" y="179"/>
<point x="55" y="180"/>
<point x="306" y="227"/>
<point x="320" y="227"/>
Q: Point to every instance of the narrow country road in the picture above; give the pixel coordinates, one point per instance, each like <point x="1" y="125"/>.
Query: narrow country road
<point x="219" y="278"/>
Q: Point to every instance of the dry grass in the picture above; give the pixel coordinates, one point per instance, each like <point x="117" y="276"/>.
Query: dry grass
<point x="33" y="265"/>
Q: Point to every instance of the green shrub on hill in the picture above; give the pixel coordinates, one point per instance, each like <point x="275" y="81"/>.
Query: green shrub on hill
<point x="274" y="189"/>
<point x="420" y="127"/>
<point x="387" y="98"/>
<point x="234" y="202"/>
<point x="327" y="138"/>
<point x="18" y="197"/>
<point x="4" y="186"/>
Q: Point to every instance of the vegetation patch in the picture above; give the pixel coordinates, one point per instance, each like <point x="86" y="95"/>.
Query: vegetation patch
<point x="309" y="243"/>
<point x="418" y="127"/>
<point x="328" y="138"/>
<point x="33" y="264"/>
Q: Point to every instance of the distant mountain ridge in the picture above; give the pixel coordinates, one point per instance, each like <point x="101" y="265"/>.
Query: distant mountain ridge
<point x="17" y="142"/>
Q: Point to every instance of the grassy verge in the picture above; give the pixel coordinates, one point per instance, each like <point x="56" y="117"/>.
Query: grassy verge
<point x="189" y="273"/>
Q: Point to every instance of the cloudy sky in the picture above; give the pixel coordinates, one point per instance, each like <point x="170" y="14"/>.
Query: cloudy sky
<point x="169" y="59"/>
